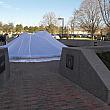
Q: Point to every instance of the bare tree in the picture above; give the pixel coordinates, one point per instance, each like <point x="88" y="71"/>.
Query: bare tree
<point x="1" y="26"/>
<point x="5" y="28"/>
<point x="50" y="21"/>
<point x="105" y="10"/>
<point x="10" y="27"/>
<point x="19" y="28"/>
<point x="73" y="22"/>
<point x="88" y="16"/>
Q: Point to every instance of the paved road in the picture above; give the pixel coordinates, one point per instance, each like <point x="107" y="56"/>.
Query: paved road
<point x="38" y="86"/>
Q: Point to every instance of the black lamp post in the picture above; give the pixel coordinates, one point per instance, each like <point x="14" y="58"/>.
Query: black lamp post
<point x="62" y="19"/>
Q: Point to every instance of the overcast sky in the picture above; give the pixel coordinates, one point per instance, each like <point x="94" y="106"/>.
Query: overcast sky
<point x="30" y="12"/>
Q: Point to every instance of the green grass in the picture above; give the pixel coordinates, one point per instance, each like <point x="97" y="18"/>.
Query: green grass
<point x="77" y="38"/>
<point x="82" y="38"/>
<point x="105" y="57"/>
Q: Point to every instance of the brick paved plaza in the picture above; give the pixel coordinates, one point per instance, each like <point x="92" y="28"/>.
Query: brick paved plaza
<point x="38" y="86"/>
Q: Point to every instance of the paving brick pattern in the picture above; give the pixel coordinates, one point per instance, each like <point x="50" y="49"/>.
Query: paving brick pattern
<point x="34" y="86"/>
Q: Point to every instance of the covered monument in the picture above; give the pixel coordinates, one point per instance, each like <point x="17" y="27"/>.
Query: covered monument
<point x="34" y="46"/>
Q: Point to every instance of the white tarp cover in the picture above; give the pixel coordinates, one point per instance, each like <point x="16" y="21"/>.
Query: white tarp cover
<point x="35" y="60"/>
<point x="37" y="45"/>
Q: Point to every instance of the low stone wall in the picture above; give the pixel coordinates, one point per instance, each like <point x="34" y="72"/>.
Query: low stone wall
<point x="4" y="66"/>
<point x="81" y="43"/>
<point x="85" y="68"/>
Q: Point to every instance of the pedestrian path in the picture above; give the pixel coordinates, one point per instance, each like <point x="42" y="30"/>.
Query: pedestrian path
<point x="38" y="86"/>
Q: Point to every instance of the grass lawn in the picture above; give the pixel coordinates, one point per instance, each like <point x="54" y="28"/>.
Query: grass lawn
<point x="77" y="38"/>
<point x="82" y="38"/>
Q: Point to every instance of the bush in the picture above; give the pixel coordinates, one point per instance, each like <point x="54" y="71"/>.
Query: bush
<point x="108" y="34"/>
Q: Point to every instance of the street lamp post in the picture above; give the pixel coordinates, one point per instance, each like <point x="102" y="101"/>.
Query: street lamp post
<point x="62" y="19"/>
<point x="101" y="33"/>
<point x="72" y="28"/>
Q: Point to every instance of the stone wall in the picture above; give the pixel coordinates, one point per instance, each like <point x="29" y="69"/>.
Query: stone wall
<point x="81" y="43"/>
<point x="4" y="66"/>
<point x="85" y="68"/>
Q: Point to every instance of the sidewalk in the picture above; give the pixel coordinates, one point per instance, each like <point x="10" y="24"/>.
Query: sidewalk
<point x="38" y="86"/>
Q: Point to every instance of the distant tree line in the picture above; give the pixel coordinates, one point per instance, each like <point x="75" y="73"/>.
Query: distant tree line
<point x="8" y="28"/>
<point x="48" y="23"/>
<point x="92" y="16"/>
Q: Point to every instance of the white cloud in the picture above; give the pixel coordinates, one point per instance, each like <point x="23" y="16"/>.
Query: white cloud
<point x="8" y="6"/>
<point x="4" y="5"/>
<point x="17" y="9"/>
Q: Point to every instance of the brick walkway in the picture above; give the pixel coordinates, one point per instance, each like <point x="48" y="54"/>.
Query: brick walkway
<point x="38" y="86"/>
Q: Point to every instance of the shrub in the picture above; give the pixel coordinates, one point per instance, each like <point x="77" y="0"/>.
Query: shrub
<point x="108" y="34"/>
